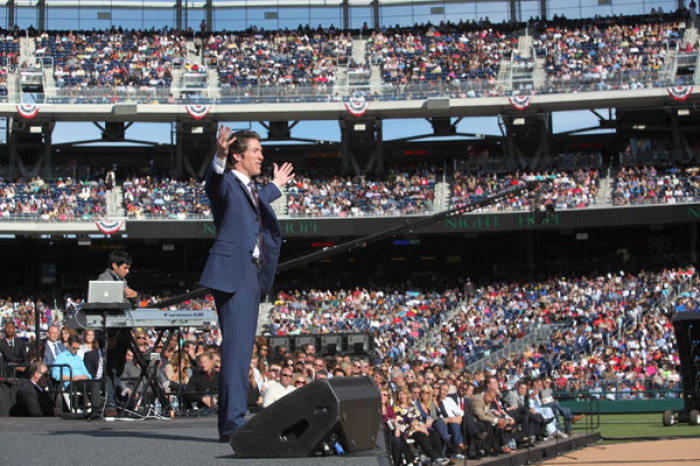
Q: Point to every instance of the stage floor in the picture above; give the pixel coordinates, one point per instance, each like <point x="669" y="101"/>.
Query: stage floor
<point x="63" y="442"/>
<point x="180" y="441"/>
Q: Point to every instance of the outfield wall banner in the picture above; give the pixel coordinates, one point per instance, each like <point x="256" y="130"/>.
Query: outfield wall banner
<point x="579" y="219"/>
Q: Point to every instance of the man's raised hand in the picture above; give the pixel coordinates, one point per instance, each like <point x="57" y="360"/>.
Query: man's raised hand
<point x="222" y="142"/>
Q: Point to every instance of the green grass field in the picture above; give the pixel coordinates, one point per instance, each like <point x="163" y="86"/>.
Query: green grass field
<point x="622" y="426"/>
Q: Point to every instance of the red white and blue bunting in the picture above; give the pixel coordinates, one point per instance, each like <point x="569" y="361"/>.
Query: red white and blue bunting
<point x="198" y="111"/>
<point x="680" y="93"/>
<point x="108" y="227"/>
<point x="358" y="104"/>
<point x="28" y="111"/>
<point x="521" y="102"/>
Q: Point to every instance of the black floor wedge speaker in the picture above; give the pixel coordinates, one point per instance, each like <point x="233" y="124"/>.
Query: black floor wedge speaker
<point x="343" y="410"/>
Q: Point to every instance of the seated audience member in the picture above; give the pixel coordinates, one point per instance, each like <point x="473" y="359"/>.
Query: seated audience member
<point x="78" y="375"/>
<point x="277" y="390"/>
<point x="203" y="386"/>
<point x="452" y="414"/>
<point x="13" y="351"/>
<point x="32" y="399"/>
<point x="93" y="360"/>
<point x="481" y="404"/>
<point x="546" y="397"/>
<point x="52" y="347"/>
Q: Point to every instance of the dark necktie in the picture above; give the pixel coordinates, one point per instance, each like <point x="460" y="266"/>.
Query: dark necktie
<point x="256" y="202"/>
<point x="12" y="343"/>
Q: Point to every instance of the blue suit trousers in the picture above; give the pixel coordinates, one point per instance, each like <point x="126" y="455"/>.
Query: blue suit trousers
<point x="238" y="321"/>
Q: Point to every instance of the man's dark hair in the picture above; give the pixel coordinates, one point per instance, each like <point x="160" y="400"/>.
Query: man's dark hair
<point x="119" y="257"/>
<point x="239" y="145"/>
<point x="73" y="339"/>
<point x="34" y="368"/>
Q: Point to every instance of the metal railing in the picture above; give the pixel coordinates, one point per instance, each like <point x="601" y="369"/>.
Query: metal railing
<point x="324" y="92"/>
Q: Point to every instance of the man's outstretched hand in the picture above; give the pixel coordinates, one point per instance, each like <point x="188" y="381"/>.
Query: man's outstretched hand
<point x="282" y="175"/>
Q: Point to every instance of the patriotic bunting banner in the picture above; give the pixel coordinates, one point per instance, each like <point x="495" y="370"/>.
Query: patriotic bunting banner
<point x="358" y="105"/>
<point x="109" y="226"/>
<point x="28" y="111"/>
<point x="680" y="93"/>
<point x="521" y="102"/>
<point x="198" y="111"/>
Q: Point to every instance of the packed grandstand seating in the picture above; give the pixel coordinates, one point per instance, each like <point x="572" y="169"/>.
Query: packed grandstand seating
<point x="616" y="327"/>
<point x="649" y="184"/>
<point x="64" y="199"/>
<point x="316" y="193"/>
<point x="399" y="192"/>
<point x="286" y="57"/>
<point x="165" y="198"/>
<point x="609" y="53"/>
<point x="565" y="189"/>
<point x="111" y="58"/>
<point x="446" y="53"/>
<point x="462" y="59"/>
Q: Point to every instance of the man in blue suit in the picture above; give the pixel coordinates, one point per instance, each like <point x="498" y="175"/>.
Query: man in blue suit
<point x="242" y="262"/>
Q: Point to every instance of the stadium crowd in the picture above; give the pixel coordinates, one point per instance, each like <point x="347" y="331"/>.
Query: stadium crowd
<point x="399" y="192"/>
<point x="285" y="57"/>
<point x="462" y="58"/>
<point x="64" y="199"/>
<point x="649" y="184"/>
<point x="113" y="58"/>
<point x="167" y="198"/>
<point x="565" y="189"/>
<point x="609" y="53"/>
<point x="614" y="341"/>
<point x="445" y="53"/>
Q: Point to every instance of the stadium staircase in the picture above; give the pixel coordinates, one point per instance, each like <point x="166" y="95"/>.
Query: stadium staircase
<point x="115" y="206"/>
<point x="540" y="334"/>
<point x="264" y="313"/>
<point x="279" y="206"/>
<point x="49" y="80"/>
<point x="12" y="85"/>
<point x="504" y="74"/>
<point x="525" y="45"/>
<point x="176" y="84"/>
<point x="670" y="68"/>
<point x="539" y="74"/>
<point x="213" y="80"/>
<point x="340" y="87"/>
<point x="605" y="187"/>
<point x="375" y="80"/>
<point x="442" y="197"/>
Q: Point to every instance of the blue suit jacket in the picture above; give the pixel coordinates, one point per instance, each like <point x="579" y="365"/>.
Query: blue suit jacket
<point x="230" y="264"/>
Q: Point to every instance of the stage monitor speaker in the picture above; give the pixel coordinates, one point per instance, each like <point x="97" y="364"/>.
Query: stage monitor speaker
<point x="687" y="329"/>
<point x="331" y="344"/>
<point x="311" y="419"/>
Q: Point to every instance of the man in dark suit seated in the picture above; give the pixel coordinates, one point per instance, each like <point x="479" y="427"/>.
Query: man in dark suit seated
<point x="32" y="399"/>
<point x="14" y="352"/>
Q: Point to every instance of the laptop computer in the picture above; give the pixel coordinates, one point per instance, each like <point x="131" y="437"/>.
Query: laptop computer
<point x="106" y="292"/>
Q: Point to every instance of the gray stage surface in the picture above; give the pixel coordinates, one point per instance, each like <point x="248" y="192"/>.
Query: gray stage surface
<point x="181" y="441"/>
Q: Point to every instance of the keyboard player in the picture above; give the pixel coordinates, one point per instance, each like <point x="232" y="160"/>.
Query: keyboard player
<point x="118" y="267"/>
